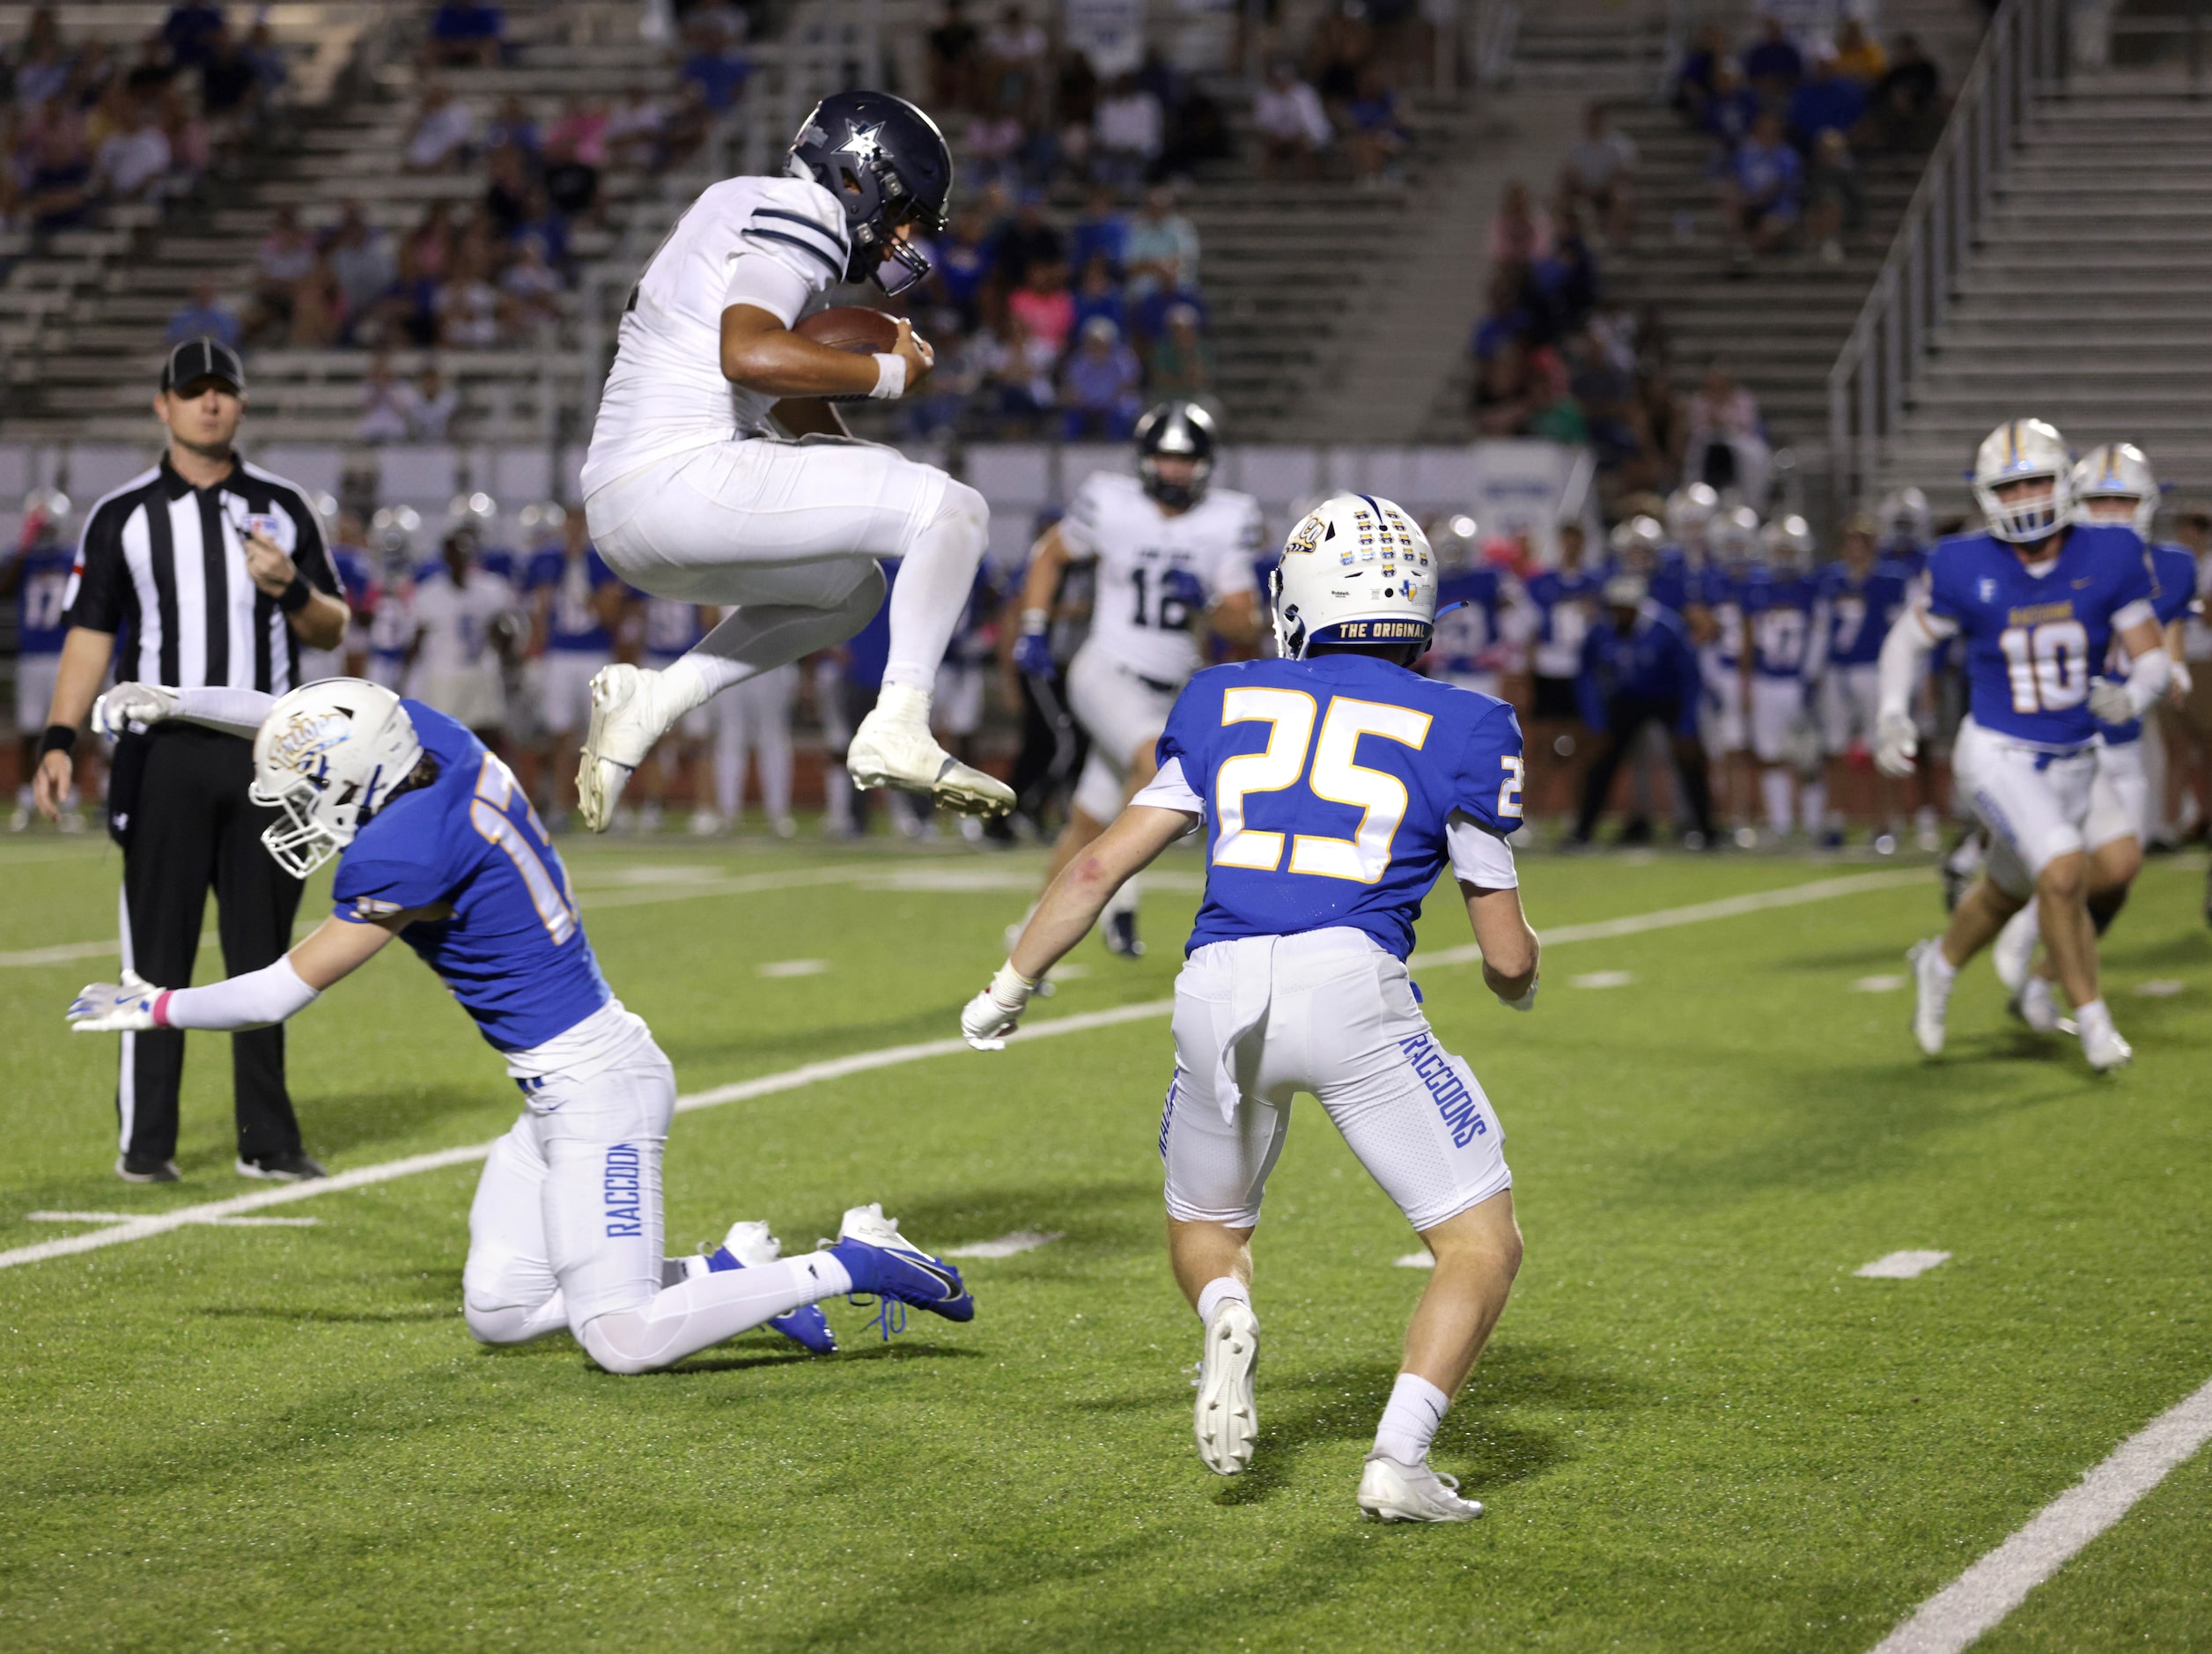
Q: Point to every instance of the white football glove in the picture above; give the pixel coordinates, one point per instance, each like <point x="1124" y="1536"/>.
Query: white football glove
<point x="132" y="706"/>
<point x="110" y="1008"/>
<point x="992" y="1014"/>
<point x="1896" y="743"/>
<point x="2109" y="699"/>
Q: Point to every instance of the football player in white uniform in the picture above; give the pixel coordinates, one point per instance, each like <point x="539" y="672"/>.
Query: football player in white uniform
<point x="1172" y="555"/>
<point x="692" y="495"/>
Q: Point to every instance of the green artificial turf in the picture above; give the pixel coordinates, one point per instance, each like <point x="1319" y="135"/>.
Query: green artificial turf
<point x="1695" y="1429"/>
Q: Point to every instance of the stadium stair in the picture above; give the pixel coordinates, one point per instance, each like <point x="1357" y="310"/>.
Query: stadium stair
<point x="2109" y="344"/>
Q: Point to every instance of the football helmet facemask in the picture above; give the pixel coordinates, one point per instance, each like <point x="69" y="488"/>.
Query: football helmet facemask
<point x="2024" y="451"/>
<point x="1176" y="429"/>
<point x="2112" y="473"/>
<point x="888" y="166"/>
<point x="326" y="759"/>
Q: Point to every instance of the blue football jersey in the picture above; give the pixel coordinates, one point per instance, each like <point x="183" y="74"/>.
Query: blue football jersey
<point x="1654" y="660"/>
<point x="1466" y="639"/>
<point x="572" y="622"/>
<point x="2173" y="576"/>
<point x="42" y="577"/>
<point x="513" y="951"/>
<point x="1778" y="614"/>
<point x="1564" y="601"/>
<point x="1858" y="614"/>
<point x="1719" y="591"/>
<point x="1328" y="784"/>
<point x="2032" y="641"/>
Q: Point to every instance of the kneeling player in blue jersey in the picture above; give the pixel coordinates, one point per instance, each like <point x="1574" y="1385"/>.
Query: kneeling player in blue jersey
<point x="1334" y="784"/>
<point x="438" y="845"/>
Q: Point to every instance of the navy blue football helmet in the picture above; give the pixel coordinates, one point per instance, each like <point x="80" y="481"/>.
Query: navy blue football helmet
<point x="888" y="164"/>
<point x="1181" y="430"/>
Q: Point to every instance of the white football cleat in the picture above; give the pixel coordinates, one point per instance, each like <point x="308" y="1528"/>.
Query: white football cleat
<point x="2101" y="1042"/>
<point x="2034" y="1004"/>
<point x="893" y="748"/>
<point x="751" y="1244"/>
<point x="626" y="720"/>
<point x="1392" y="1492"/>
<point x="1931" y="994"/>
<point x="1226" y="1418"/>
<point x="2014" y="950"/>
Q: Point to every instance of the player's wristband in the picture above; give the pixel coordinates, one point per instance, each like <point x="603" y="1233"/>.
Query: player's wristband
<point x="160" y="1007"/>
<point x="1035" y="621"/>
<point x="294" y="597"/>
<point x="1010" y="987"/>
<point x="890" y="376"/>
<point x="58" y="738"/>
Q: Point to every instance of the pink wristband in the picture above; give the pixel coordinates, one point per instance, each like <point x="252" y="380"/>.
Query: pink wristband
<point x="161" y="1008"/>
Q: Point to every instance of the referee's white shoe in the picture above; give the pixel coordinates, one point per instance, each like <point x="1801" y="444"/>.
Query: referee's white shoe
<point x="893" y="748"/>
<point x="627" y="718"/>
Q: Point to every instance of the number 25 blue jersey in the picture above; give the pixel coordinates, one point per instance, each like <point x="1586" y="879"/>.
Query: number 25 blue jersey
<point x="1328" y="784"/>
<point x="513" y="951"/>
<point x="2034" y="641"/>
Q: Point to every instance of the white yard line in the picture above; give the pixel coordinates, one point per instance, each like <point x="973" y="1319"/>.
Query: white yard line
<point x="1906" y="1266"/>
<point x="1982" y="1596"/>
<point x="895" y="1056"/>
<point x="1021" y="1240"/>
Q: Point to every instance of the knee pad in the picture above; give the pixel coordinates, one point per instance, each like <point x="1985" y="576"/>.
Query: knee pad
<point x="507" y="1323"/>
<point x="623" y="1343"/>
<point x="963" y="517"/>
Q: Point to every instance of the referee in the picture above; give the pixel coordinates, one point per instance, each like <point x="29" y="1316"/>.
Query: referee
<point x="215" y="574"/>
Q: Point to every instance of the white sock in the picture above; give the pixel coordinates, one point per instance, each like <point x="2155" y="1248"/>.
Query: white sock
<point x="1122" y="901"/>
<point x="1214" y="1294"/>
<point x="1773" y="785"/>
<point x="1409" y="1423"/>
<point x="687" y="1318"/>
<point x="1943" y="969"/>
<point x="935" y="583"/>
<point x="1813" y="805"/>
<point x="756" y="637"/>
<point x="2093" y="1016"/>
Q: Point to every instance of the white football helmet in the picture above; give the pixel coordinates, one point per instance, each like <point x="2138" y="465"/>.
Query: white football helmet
<point x="1690" y="509"/>
<point x="1734" y="535"/>
<point x="1903" y="519"/>
<point x="1786" y="545"/>
<point x="2024" y="451"/>
<point x="1357" y="569"/>
<point x="328" y="757"/>
<point x="2111" y="475"/>
<point x="1636" y="543"/>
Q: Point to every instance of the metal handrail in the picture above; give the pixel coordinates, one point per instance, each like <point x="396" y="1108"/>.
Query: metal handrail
<point x="2023" y="52"/>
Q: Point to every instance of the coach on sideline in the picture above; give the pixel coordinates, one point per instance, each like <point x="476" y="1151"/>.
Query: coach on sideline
<point x="216" y="573"/>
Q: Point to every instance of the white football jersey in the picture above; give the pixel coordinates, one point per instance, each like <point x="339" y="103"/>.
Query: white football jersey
<point x="1138" y="617"/>
<point x="771" y="242"/>
<point x="456" y="622"/>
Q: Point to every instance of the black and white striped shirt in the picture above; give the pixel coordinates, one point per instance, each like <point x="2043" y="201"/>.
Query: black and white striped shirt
<point x="162" y="565"/>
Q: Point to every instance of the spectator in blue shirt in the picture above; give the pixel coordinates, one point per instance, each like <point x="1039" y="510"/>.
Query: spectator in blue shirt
<point x="1773" y="63"/>
<point x="202" y="317"/>
<point x="189" y="32"/>
<point x="718" y="69"/>
<point x="1102" y="229"/>
<point x="1824" y="101"/>
<point x="1638" y="668"/>
<point x="462" y="35"/>
<point x="1098" y="294"/>
<point x="964" y="267"/>
<point x="1765" y="189"/>
<point x="1099" y="386"/>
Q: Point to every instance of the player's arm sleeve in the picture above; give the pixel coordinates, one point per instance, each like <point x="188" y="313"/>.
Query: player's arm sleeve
<point x="97" y="595"/>
<point x="786" y="253"/>
<point x="1898" y="669"/>
<point x="235" y="712"/>
<point x="1487" y="788"/>
<point x="1478" y="856"/>
<point x="255" y="1000"/>
<point x="365" y="892"/>
<point x="1080" y="525"/>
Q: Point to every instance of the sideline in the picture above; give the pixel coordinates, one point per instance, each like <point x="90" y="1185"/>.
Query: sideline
<point x="1982" y="1596"/>
<point x="893" y="1056"/>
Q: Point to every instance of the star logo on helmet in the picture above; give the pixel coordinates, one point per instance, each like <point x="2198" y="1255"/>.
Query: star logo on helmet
<point x="864" y="143"/>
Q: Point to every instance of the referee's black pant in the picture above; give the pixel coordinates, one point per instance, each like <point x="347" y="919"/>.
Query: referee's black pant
<point x="190" y="825"/>
<point x="1626" y="716"/>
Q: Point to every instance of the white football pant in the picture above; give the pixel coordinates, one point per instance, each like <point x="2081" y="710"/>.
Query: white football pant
<point x="2033" y="802"/>
<point x="566" y="1229"/>
<point x="1330" y="1013"/>
<point x="2120" y="797"/>
<point x="1122" y="714"/>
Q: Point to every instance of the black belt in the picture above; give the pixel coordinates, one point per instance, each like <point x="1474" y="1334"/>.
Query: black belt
<point x="1158" y="686"/>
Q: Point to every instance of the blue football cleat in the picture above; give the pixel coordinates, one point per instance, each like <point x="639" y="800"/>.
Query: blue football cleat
<point x="751" y="1244"/>
<point x="884" y="1262"/>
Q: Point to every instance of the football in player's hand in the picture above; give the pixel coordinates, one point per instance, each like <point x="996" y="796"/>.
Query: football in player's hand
<point x="850" y="327"/>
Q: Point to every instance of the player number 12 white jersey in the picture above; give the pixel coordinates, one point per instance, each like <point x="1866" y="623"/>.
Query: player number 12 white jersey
<point x="1141" y="618"/>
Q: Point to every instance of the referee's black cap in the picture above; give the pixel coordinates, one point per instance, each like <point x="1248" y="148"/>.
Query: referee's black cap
<point x="203" y="358"/>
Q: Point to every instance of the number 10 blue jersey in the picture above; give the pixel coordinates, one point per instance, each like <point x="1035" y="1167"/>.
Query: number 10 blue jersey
<point x="1327" y="787"/>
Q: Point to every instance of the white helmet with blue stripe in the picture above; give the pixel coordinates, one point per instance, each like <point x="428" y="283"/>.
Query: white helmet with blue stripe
<point x="2110" y="474"/>
<point x="1356" y="570"/>
<point x="326" y="759"/>
<point x="2024" y="451"/>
